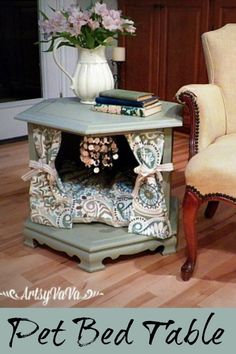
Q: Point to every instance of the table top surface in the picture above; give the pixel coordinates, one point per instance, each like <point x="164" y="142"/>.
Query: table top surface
<point x="68" y="114"/>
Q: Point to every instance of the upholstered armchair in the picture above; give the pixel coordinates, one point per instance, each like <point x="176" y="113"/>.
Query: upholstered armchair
<point x="211" y="171"/>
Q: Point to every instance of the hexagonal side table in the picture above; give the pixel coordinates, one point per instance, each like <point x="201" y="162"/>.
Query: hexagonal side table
<point x="92" y="243"/>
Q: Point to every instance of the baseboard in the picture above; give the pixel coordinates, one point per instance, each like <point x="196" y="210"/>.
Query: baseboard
<point x="13" y="140"/>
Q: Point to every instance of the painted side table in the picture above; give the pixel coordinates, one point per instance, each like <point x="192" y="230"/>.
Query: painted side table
<point x="51" y="222"/>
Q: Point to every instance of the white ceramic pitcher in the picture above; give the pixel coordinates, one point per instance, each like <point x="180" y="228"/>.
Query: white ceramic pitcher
<point x="92" y="74"/>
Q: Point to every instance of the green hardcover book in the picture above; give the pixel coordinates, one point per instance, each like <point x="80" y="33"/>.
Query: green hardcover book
<point x="126" y="94"/>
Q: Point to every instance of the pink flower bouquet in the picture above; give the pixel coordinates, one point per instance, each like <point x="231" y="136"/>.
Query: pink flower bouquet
<point x="85" y="28"/>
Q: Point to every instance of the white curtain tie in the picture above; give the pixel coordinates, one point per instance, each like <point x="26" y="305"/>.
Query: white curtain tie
<point x="144" y="172"/>
<point x="41" y="166"/>
<point x="37" y="167"/>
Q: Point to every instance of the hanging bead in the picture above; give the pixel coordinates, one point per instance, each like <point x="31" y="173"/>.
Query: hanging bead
<point x="96" y="170"/>
<point x="115" y="157"/>
<point x="98" y="152"/>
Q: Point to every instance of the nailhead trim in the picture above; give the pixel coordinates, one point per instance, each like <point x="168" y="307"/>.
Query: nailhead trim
<point x="211" y="195"/>
<point x="195" y="118"/>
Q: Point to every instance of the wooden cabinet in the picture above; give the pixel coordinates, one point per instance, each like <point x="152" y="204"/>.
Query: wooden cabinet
<point x="142" y="65"/>
<point x="167" y="52"/>
<point x="224" y="11"/>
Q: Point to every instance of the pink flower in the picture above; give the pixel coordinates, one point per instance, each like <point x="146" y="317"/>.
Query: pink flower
<point x="115" y="14"/>
<point x="86" y="26"/>
<point x="58" y="22"/>
<point x="128" y="25"/>
<point x="100" y="9"/>
<point x="54" y="25"/>
<point x="46" y="28"/>
<point x="77" y="19"/>
<point x="75" y="12"/>
<point x="93" y="24"/>
<point x="71" y="9"/>
<point x="112" y="21"/>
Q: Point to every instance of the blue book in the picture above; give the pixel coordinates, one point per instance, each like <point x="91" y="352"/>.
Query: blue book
<point x="122" y="102"/>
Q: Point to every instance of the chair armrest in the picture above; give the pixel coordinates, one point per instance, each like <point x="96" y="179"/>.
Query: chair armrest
<point x="207" y="114"/>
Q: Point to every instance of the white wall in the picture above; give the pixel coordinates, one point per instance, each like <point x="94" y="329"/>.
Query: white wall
<point x="10" y="127"/>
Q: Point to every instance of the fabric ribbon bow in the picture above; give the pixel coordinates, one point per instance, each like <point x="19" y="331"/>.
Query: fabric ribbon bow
<point x="41" y="166"/>
<point x="144" y="172"/>
<point x="37" y="167"/>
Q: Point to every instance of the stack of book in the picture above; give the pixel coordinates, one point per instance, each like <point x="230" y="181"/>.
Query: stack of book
<point x="131" y="103"/>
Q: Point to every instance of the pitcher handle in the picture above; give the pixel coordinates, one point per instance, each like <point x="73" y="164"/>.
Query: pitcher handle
<point x="54" y="53"/>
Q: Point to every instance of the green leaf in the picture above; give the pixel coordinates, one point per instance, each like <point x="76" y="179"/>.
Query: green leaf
<point x="73" y="40"/>
<point x="50" y="48"/>
<point x="65" y="14"/>
<point x="88" y="37"/>
<point x="37" y="43"/>
<point x="45" y="17"/>
<point x="65" y="44"/>
<point x="54" y="10"/>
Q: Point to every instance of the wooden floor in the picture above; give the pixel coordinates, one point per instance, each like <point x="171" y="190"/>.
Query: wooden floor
<point x="146" y="280"/>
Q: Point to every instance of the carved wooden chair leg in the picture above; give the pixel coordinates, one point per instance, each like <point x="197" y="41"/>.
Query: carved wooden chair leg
<point x="191" y="205"/>
<point x="211" y="209"/>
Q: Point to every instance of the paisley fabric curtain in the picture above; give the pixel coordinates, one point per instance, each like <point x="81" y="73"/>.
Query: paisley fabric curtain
<point x="49" y="203"/>
<point x="149" y="213"/>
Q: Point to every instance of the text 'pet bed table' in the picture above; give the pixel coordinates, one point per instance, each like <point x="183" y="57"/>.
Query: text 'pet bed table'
<point x="100" y="183"/>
